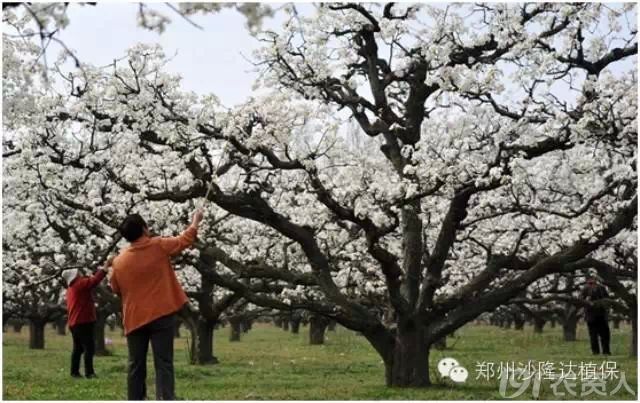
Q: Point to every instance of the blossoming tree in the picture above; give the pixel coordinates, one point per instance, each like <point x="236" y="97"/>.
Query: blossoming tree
<point x="496" y="146"/>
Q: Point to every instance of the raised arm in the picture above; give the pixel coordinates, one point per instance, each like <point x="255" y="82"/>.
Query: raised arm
<point x="175" y="245"/>
<point x="93" y="281"/>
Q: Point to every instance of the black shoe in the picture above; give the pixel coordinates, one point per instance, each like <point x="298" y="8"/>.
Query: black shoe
<point x="76" y="376"/>
<point x="92" y="376"/>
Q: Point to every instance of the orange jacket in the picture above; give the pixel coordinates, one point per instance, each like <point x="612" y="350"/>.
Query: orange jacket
<point x="143" y="276"/>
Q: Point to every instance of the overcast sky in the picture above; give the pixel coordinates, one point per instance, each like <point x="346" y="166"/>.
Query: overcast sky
<point x="210" y="60"/>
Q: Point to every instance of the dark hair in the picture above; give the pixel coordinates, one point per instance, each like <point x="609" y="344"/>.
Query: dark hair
<point x="132" y="227"/>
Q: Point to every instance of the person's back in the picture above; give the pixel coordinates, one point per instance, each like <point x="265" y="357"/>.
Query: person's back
<point x="79" y="297"/>
<point x="595" y="314"/>
<point x="594" y="311"/>
<point x="146" y="281"/>
<point x="151" y="296"/>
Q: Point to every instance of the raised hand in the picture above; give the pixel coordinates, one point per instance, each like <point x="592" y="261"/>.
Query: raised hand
<point x="198" y="215"/>
<point x="107" y="264"/>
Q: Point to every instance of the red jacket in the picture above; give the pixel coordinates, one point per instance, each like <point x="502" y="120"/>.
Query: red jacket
<point x="80" y="304"/>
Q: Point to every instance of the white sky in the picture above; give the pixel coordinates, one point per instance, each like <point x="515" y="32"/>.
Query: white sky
<point x="210" y="60"/>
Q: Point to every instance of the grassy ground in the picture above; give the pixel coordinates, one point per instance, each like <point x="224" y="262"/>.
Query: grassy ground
<point x="272" y="364"/>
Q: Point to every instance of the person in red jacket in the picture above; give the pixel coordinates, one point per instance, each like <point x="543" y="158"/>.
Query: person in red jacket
<point x="81" y="312"/>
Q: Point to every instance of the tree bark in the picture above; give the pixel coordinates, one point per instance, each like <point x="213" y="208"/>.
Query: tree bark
<point x="98" y="334"/>
<point x="538" y="325"/>
<point x="405" y="353"/>
<point x="295" y="326"/>
<point x="440" y="344"/>
<point x="410" y="365"/>
<point x="202" y="342"/>
<point x="518" y="323"/>
<point x="616" y="323"/>
<point x="331" y="326"/>
<point x="634" y="336"/>
<point x="236" y="329"/>
<point x="176" y="332"/>
<point x="61" y="327"/>
<point x="318" y="325"/>
<point x="119" y="323"/>
<point x="36" y="334"/>
<point x="569" y="327"/>
<point x="246" y="325"/>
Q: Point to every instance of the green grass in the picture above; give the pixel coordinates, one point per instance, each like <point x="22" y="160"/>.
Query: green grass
<point x="272" y="364"/>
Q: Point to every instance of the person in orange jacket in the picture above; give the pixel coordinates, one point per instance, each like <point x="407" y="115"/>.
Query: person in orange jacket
<point x="81" y="316"/>
<point x="151" y="295"/>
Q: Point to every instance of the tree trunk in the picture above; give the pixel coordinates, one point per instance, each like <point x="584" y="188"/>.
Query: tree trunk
<point x="552" y="323"/>
<point x="569" y="327"/>
<point x="120" y="324"/>
<point x="316" y="330"/>
<point x="98" y="334"/>
<point x="202" y="343"/>
<point x="507" y="324"/>
<point x="616" y="323"/>
<point x="17" y="327"/>
<point x="538" y="325"/>
<point x="236" y="329"/>
<point x="295" y="326"/>
<point x="277" y="322"/>
<point x="518" y="324"/>
<point x="440" y="344"/>
<point x="61" y="327"/>
<point x="36" y="334"/>
<point x="410" y="365"/>
<point x="176" y="332"/>
<point x="634" y="336"/>
<point x="246" y="325"/>
<point x="285" y="325"/>
<point x="331" y="326"/>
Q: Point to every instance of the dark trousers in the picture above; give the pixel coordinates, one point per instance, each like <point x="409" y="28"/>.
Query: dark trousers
<point x="160" y="333"/>
<point x="83" y="342"/>
<point x="599" y="331"/>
